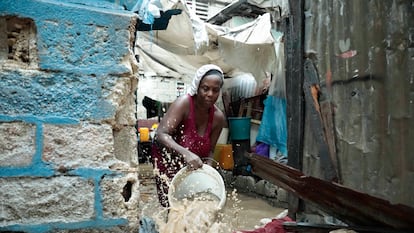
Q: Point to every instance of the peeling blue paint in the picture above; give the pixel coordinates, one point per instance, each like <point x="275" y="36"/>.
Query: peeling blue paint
<point x="82" y="46"/>
<point x="32" y="171"/>
<point x="77" y="37"/>
<point x="96" y="175"/>
<point x="37" y="158"/>
<point x="36" y="119"/>
<point x="55" y="94"/>
<point x="38" y="168"/>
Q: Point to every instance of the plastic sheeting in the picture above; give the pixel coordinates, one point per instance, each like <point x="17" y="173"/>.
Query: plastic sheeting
<point x="185" y="35"/>
<point x="248" y="48"/>
<point x="147" y="10"/>
<point x="273" y="128"/>
<point x="283" y="5"/>
<point x="156" y="61"/>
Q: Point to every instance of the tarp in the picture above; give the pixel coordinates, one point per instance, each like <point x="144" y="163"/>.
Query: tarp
<point x="188" y="43"/>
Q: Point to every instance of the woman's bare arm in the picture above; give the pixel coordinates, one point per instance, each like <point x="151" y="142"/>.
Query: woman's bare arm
<point x="176" y="113"/>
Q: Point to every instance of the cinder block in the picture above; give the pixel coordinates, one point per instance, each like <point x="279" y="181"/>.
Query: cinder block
<point x="83" y="145"/>
<point x="46" y="200"/>
<point x="245" y="183"/>
<point x="265" y="188"/>
<point x="17" y="144"/>
<point x="121" y="197"/>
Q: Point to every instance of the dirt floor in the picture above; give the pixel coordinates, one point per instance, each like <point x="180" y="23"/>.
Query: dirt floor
<point x="243" y="212"/>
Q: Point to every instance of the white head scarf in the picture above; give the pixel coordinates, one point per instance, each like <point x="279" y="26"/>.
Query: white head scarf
<point x="192" y="90"/>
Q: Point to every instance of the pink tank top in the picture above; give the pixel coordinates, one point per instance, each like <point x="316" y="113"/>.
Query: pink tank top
<point x="189" y="138"/>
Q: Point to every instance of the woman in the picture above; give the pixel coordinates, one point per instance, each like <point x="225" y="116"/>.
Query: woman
<point x="188" y="132"/>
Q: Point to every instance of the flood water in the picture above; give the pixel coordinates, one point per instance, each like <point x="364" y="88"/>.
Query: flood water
<point x="241" y="211"/>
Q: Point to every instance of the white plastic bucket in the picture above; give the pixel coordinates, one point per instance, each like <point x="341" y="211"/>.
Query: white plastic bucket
<point x="187" y="184"/>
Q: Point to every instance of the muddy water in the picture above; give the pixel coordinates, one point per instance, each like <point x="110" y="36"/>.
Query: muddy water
<point x="198" y="215"/>
<point x="241" y="211"/>
<point x="248" y="211"/>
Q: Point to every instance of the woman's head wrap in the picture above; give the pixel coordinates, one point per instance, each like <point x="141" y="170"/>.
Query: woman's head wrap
<point x="200" y="73"/>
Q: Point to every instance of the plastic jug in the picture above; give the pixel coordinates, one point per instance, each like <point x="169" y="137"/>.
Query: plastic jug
<point x="226" y="160"/>
<point x="144" y="134"/>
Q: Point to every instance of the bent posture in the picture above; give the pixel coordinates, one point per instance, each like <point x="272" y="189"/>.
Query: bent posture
<point x="189" y="130"/>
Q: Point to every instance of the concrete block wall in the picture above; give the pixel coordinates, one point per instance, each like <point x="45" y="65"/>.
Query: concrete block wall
<point x="68" y="146"/>
<point x="260" y="188"/>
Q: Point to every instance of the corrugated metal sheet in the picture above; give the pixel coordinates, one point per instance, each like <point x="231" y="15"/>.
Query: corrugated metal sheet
<point x="364" y="55"/>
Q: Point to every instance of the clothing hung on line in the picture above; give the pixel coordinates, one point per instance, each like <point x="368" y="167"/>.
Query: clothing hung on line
<point x="169" y="163"/>
<point x="154" y="107"/>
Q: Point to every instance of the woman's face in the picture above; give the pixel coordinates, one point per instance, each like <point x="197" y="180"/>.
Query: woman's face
<point x="209" y="89"/>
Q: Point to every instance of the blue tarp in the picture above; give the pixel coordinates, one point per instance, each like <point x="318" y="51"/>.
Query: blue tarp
<point x="273" y="128"/>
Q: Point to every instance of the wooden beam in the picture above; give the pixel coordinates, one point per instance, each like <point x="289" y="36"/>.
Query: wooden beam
<point x="350" y="206"/>
<point x="294" y="52"/>
<point x="311" y="91"/>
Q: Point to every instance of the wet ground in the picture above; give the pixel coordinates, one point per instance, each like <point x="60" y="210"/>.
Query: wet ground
<point x="241" y="212"/>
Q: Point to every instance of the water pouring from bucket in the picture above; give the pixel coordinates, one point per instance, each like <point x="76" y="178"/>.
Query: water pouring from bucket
<point x="196" y="198"/>
<point x="205" y="184"/>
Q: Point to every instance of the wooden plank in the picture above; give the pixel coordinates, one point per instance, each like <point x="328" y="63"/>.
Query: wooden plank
<point x="330" y="136"/>
<point x="298" y="227"/>
<point x="226" y="102"/>
<point x="311" y="91"/>
<point x="242" y="107"/>
<point x="350" y="206"/>
<point x="294" y="51"/>
<point x="249" y="108"/>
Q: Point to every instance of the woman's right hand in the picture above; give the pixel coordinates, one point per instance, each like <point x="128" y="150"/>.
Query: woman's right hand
<point x="193" y="161"/>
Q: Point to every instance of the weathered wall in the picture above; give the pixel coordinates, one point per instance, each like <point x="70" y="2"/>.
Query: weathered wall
<point x="157" y="88"/>
<point x="363" y="52"/>
<point x="68" y="157"/>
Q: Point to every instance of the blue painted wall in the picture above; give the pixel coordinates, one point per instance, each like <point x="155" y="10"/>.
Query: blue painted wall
<point x="76" y="38"/>
<point x="83" y="47"/>
<point x="55" y="94"/>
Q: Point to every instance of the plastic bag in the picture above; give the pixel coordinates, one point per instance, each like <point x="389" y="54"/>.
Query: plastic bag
<point x="273" y="128"/>
<point x="262" y="149"/>
<point x="147" y="10"/>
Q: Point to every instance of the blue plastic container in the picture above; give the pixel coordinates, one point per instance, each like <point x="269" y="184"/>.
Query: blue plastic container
<point x="239" y="128"/>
